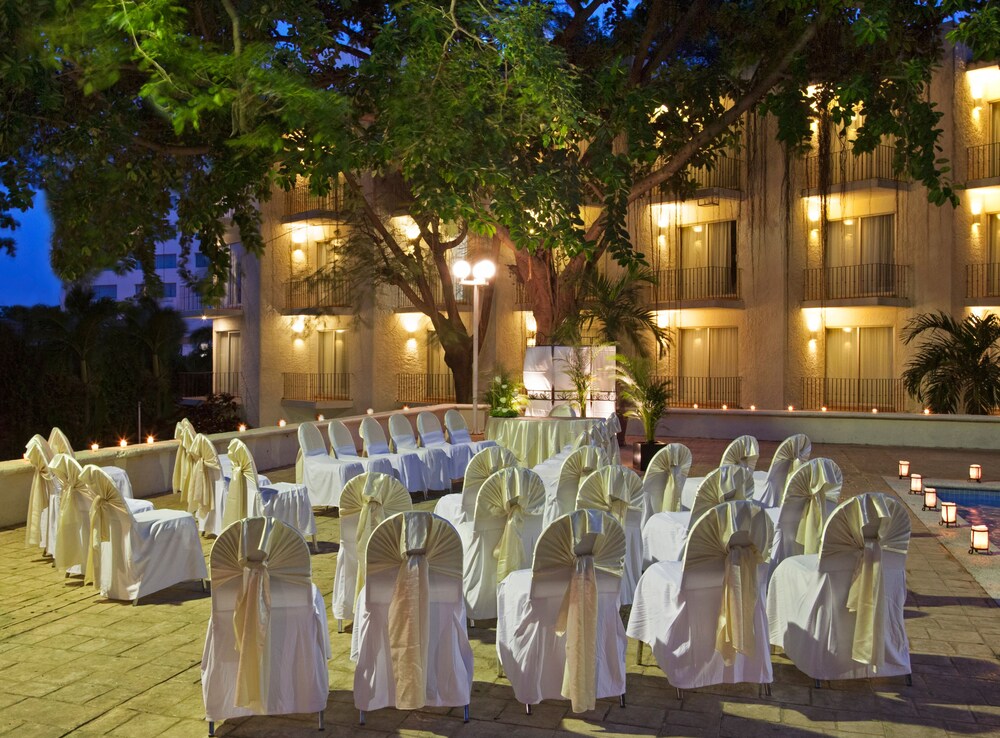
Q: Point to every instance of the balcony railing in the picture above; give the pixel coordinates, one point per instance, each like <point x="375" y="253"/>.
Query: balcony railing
<point x="857" y="395"/>
<point x="203" y="384"/>
<point x="704" y="391"/>
<point x="399" y="301"/>
<point x="315" y="387"/>
<point x="857" y="281"/>
<point x="425" y="388"/>
<point x="725" y="173"/>
<point x="190" y="301"/>
<point x="984" y="161"/>
<point x="299" y="201"/>
<point x="699" y="283"/>
<point x="521" y="301"/>
<point x="982" y="280"/>
<point x="315" y="293"/>
<point x="846" y="167"/>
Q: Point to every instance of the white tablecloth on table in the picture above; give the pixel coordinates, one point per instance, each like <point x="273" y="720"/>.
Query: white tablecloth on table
<point x="533" y="440"/>
<point x="664" y="535"/>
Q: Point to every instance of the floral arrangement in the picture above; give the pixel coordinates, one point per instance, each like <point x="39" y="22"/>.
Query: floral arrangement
<point x="505" y="396"/>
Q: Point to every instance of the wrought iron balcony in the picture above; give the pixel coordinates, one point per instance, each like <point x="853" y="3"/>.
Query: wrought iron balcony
<point x="300" y="204"/>
<point x="983" y="161"/>
<point x="190" y="302"/>
<point x="315" y="387"/>
<point x="312" y="293"/>
<point x="855" y="395"/>
<point x="704" y="391"/>
<point x="425" y="388"/>
<point x="400" y="302"/>
<point x="847" y="167"/>
<point x="698" y="283"/>
<point x="982" y="280"/>
<point x="203" y="384"/>
<point x="859" y="281"/>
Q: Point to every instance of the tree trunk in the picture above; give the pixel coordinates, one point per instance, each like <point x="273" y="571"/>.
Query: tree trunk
<point x="458" y="358"/>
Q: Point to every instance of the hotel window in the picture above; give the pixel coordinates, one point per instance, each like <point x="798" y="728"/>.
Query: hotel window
<point x="227" y="376"/>
<point x="166" y="261"/>
<point x="708" y="370"/>
<point x="859" y="256"/>
<point x="105" y="291"/>
<point x="334" y="365"/>
<point x="709" y="248"/>
<point x="200" y="261"/>
<point x="859" y="367"/>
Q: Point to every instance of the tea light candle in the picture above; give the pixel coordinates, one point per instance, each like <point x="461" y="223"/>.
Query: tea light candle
<point x="320" y="417"/>
<point x="949" y="514"/>
<point x="904" y="469"/>
<point x="150" y="440"/>
<point x="282" y="422"/>
<point x="123" y="443"/>
<point x="975" y="473"/>
<point x="979" y="539"/>
<point x="930" y="498"/>
<point x="916" y="484"/>
<point x="94" y="447"/>
<point x="242" y="427"/>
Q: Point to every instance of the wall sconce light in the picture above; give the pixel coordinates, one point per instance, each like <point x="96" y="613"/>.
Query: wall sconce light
<point x="927" y="411"/>
<point x="410" y="321"/>
<point x="300" y="234"/>
<point x="903" y="468"/>
<point x="975" y="473"/>
<point x="916" y="484"/>
<point x="406" y="407"/>
<point x="930" y="498"/>
<point x="949" y="514"/>
<point x="298" y="325"/>
<point x="875" y="411"/>
<point x="979" y="539"/>
<point x="813" y="211"/>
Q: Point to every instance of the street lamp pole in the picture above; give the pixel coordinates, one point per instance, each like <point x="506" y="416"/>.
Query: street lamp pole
<point x="477" y="276"/>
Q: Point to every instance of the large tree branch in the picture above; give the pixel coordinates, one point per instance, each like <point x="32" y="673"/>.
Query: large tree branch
<point x="169" y="149"/>
<point x="646" y="41"/>
<point x="581" y="15"/>
<point x="671" y="44"/>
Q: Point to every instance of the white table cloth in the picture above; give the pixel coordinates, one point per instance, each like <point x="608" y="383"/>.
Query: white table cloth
<point x="325" y="478"/>
<point x="533" y="440"/>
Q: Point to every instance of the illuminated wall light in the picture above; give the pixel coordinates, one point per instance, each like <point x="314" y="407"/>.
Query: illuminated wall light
<point x="976" y="206"/>
<point x="412" y="231"/>
<point x="698" y="228"/>
<point x="411" y="344"/>
<point x="725" y="407"/>
<point x="299" y="325"/>
<point x="812" y="345"/>
<point x="661" y="241"/>
<point x="298" y="255"/>
<point x="300" y="234"/>
<point x="299" y="343"/>
<point x="663" y="219"/>
<point x="695" y="406"/>
<point x="241" y="427"/>
<point x="410" y="321"/>
<point x="530" y="324"/>
<point x="849" y="221"/>
<point x="874" y="411"/>
<point x="813" y="210"/>
<point x="814" y="319"/>
<point x="406" y="407"/>
<point x="927" y="411"/>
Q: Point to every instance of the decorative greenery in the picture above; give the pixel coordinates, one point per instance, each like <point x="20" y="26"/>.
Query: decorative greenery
<point x="647" y="394"/>
<point x="957" y="364"/>
<point x="505" y="396"/>
<point x="217" y="414"/>
<point x="578" y="366"/>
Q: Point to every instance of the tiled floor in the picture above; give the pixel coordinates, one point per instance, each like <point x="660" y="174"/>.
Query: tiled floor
<point x="74" y="664"/>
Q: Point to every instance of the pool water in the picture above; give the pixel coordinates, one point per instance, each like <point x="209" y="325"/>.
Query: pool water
<point x="977" y="507"/>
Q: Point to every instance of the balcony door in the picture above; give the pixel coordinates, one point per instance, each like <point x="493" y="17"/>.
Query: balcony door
<point x="333" y="382"/>
<point x="859" y="372"/>
<point x="707" y="261"/>
<point x="859" y="257"/>
<point x="708" y="367"/>
<point x="227" y="374"/>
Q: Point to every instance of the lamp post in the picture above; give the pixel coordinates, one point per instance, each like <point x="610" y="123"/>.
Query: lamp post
<point x="477" y="276"/>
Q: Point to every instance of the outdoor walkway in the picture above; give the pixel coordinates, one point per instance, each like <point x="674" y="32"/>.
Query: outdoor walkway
<point x="72" y="663"/>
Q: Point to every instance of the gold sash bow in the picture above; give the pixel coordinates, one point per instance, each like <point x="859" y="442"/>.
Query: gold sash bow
<point x="735" y="632"/>
<point x="69" y="549"/>
<point x="578" y="622"/>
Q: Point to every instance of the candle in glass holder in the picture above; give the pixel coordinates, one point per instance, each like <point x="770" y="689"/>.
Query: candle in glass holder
<point x="979" y="539"/>
<point x="930" y="498"/>
<point x="949" y="514"/>
<point x="975" y="473"/>
<point x="916" y="484"/>
<point x="904" y="469"/>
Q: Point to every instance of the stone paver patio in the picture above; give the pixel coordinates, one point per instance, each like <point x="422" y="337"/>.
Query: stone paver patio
<point x="72" y="663"/>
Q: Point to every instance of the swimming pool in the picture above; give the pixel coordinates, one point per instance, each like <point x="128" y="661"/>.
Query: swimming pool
<point x="977" y="506"/>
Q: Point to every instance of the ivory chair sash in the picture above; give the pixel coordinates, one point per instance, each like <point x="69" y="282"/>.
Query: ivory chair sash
<point x="811" y="494"/>
<point x="324" y="476"/>
<point x="560" y="498"/>
<point x="408" y="467"/>
<point x="248" y="496"/>
<point x="185" y="451"/>
<point x="664" y="534"/>
<point x="131" y="556"/>
<point x="618" y="490"/>
<point x="559" y="632"/>
<point x="74" y="509"/>
<point x="458" y="431"/>
<point x="791" y="453"/>
<point x="432" y="436"/>
<point x="705" y="617"/>
<point x="368" y="499"/>
<point x="664" y="479"/>
<point x="410" y="608"/>
<point x="178" y="478"/>
<point x="460" y="509"/>
<point x="506" y="524"/>
<point x="207" y="486"/>
<point x="43" y="489"/>
<point x="267" y="643"/>
<point x="839" y="614"/>
<point x="437" y="462"/>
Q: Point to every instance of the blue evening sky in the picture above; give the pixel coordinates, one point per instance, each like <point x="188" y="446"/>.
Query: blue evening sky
<point x="27" y="278"/>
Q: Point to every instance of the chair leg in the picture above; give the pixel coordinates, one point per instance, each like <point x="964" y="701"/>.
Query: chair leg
<point x="621" y="699"/>
<point x="500" y="671"/>
<point x="466" y="715"/>
<point x="767" y="689"/>
<point x="527" y="709"/>
<point x="211" y="729"/>
<point x="680" y="695"/>
<point x="315" y="544"/>
<point x="763" y="690"/>
<point x="135" y="602"/>
<point x="362" y="718"/>
<point x="909" y="680"/>
<point x="638" y="654"/>
<point x="472" y="623"/>
<point x="320" y="715"/>
<point x="204" y="585"/>
<point x="817" y="684"/>
<point x="340" y="625"/>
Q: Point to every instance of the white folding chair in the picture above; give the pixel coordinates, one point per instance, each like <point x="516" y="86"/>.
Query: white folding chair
<point x="408" y="467"/>
<point x="838" y="614"/>
<point x="207" y="486"/>
<point x="506" y="524"/>
<point x="560" y="498"/>
<point x="705" y="617"/>
<point x="432" y="436"/>
<point x="618" y="490"/>
<point x="437" y="464"/>
<point x="664" y="479"/>
<point x="458" y="431"/>
<point x="791" y="453"/>
<point x="664" y="534"/>
<point x="323" y="476"/>
<point x="267" y="643"/>
<point x="368" y="499"/>
<point x="559" y="632"/>
<point x="133" y="555"/>
<point x="410" y="642"/>
<point x="812" y="492"/>
<point x="248" y="496"/>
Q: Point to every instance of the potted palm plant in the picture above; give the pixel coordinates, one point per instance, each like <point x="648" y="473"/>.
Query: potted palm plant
<point x="648" y="396"/>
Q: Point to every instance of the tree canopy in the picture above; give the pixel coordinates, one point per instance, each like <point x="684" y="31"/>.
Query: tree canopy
<point x="153" y="118"/>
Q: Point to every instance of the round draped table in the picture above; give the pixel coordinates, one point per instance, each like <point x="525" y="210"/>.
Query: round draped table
<point x="533" y="440"/>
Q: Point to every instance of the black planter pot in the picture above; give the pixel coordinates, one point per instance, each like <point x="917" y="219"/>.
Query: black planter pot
<point x="623" y="424"/>
<point x="643" y="452"/>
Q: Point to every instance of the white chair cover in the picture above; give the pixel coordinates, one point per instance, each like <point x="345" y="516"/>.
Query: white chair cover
<point x="564" y="410"/>
<point x="410" y="609"/>
<point x="618" y="490"/>
<point x="70" y="537"/>
<point x="506" y="524"/>
<point x="789" y="456"/>
<point x="408" y="467"/>
<point x="43" y="488"/>
<point x="342" y="447"/>
<point x="247" y="496"/>
<point x="437" y="464"/>
<point x="324" y="476"/>
<point x="664" y="534"/>
<point x="559" y="633"/>
<point x="131" y="556"/>
<point x="811" y="494"/>
<point x="705" y="617"/>
<point x="432" y="436"/>
<point x="207" y="486"/>
<point x="59" y="443"/>
<point x="184" y="451"/>
<point x="458" y="431"/>
<point x="368" y="499"/>
<point x="267" y="643"/>
<point x="664" y="480"/>
<point x="744" y="451"/>
<point x="839" y="614"/>
<point x="460" y="509"/>
<point x="577" y="466"/>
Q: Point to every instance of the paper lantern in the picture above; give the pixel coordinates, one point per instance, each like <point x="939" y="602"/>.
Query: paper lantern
<point x="979" y="539"/>
<point x="904" y="469"/>
<point x="949" y="514"/>
<point x="916" y="484"/>
<point x="930" y="498"/>
<point x="975" y="473"/>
